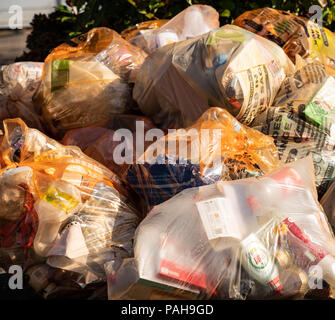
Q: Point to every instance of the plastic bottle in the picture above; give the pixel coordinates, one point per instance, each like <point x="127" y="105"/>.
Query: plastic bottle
<point x="56" y="204"/>
<point x="259" y="264"/>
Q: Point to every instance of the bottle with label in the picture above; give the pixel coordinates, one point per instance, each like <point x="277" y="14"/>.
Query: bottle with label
<point x="56" y="204"/>
<point x="259" y="264"/>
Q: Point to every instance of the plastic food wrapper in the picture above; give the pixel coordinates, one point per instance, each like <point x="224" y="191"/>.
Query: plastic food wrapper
<point x="256" y="238"/>
<point x="191" y="22"/>
<point x="61" y="203"/>
<point x="99" y="142"/>
<point x="228" y="67"/>
<point x="18" y="84"/>
<point x="216" y="147"/>
<point x="296" y="35"/>
<point x="142" y="28"/>
<point x="86" y="81"/>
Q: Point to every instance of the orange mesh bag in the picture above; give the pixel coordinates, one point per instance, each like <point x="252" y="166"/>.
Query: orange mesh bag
<point x="217" y="147"/>
<point x="62" y="185"/>
<point x="88" y="80"/>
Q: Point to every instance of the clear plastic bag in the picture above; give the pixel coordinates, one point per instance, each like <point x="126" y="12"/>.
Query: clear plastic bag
<point x="255" y="238"/>
<point x="73" y="210"/>
<point x="191" y="22"/>
<point x="296" y="35"/>
<point x="88" y="80"/>
<point x="18" y="84"/>
<point x="228" y="67"/>
<point x="216" y="147"/>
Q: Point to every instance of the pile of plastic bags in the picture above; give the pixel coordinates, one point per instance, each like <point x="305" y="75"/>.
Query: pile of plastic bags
<point x="177" y="160"/>
<point x="88" y="80"/>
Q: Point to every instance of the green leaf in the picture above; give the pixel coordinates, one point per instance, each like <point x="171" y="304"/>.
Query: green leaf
<point x="132" y="2"/>
<point x="225" y="13"/>
<point x="63" y="9"/>
<point x="74" y="33"/>
<point x="67" y="18"/>
<point x="149" y="15"/>
<point x="89" y="23"/>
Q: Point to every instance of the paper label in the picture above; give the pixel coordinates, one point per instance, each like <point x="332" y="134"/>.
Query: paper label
<point x="217" y="219"/>
<point x="60" y="73"/>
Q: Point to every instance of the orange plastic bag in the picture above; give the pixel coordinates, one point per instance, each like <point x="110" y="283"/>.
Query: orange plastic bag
<point x="216" y="147"/>
<point x="54" y="186"/>
<point x="86" y="81"/>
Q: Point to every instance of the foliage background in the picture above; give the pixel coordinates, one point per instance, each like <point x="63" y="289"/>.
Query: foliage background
<point x="81" y="15"/>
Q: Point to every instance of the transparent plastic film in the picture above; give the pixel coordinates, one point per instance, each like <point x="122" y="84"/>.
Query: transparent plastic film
<point x="255" y="238"/>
